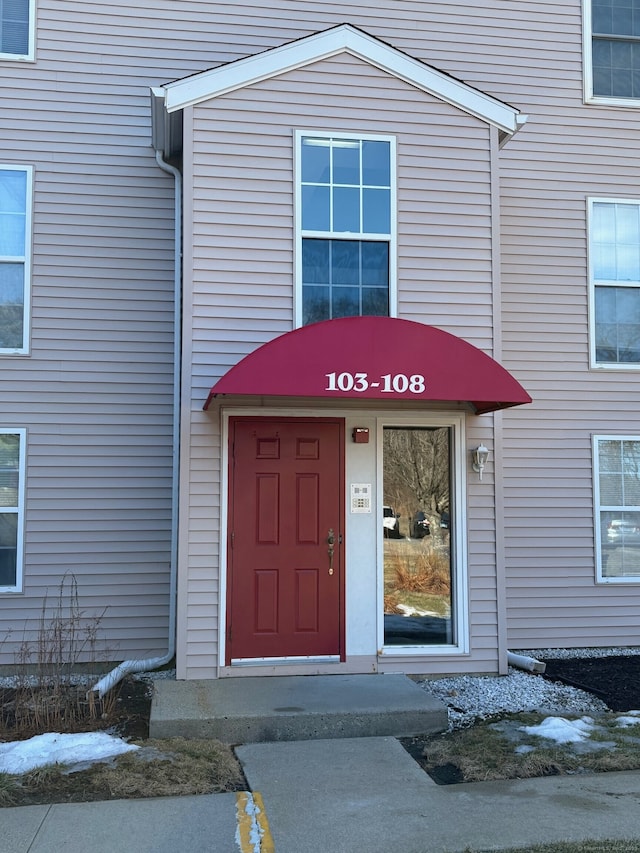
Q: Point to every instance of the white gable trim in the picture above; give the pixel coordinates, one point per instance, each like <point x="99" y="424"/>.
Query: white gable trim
<point x="342" y="39"/>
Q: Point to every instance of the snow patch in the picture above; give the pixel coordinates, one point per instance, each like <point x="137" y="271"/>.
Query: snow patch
<point x="561" y="730"/>
<point x="25" y="755"/>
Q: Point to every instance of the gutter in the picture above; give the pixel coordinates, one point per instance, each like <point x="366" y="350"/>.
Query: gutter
<point x="129" y="666"/>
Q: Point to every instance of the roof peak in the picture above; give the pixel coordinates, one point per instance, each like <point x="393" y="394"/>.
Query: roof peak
<point x="343" y="38"/>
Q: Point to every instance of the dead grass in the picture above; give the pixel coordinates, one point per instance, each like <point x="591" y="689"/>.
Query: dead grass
<point x="426" y="573"/>
<point x="391" y="602"/>
<point x="487" y="751"/>
<point x="47" y="698"/>
<point x="161" y="768"/>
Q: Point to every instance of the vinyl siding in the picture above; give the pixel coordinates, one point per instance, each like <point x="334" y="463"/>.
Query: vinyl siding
<point x="240" y="226"/>
<point x="243" y="176"/>
<point x="95" y="391"/>
<point x="568" y="152"/>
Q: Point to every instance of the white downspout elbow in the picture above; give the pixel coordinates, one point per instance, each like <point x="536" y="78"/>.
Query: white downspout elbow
<point x="524" y="662"/>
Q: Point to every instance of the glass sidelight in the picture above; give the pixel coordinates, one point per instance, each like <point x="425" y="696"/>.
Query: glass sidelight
<point x="416" y="528"/>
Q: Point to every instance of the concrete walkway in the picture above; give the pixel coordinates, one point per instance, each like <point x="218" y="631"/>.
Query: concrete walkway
<point x="360" y="795"/>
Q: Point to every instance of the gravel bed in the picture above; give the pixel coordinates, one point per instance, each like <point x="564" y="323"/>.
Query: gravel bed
<point x="472" y="698"/>
<point x="84" y="678"/>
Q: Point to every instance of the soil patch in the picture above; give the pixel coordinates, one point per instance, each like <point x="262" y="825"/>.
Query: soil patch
<point x="615" y="680"/>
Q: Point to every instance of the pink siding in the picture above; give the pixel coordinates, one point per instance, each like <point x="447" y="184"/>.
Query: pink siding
<point x="241" y="181"/>
<point x="95" y="391"/>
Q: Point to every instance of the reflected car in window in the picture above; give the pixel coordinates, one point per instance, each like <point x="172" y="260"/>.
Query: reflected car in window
<point x="623" y="532"/>
<point x="390" y="523"/>
<point x="420" y="525"/>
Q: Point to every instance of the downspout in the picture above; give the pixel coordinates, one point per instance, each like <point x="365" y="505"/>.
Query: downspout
<point x="525" y="662"/>
<point x="130" y="666"/>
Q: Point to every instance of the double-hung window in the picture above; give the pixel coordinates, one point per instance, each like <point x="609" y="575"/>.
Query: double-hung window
<point x="617" y="507"/>
<point x="346" y="203"/>
<point x="17" y="28"/>
<point x="612" y="33"/>
<point x="614" y="232"/>
<point x="15" y="258"/>
<point x="12" y="476"/>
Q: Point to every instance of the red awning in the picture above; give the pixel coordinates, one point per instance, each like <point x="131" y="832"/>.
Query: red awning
<point x="373" y="358"/>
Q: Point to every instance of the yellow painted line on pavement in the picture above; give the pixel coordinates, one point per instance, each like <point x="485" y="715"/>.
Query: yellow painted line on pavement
<point x="253" y="833"/>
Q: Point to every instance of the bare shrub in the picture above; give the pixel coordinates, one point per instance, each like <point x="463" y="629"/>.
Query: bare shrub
<point x="48" y="695"/>
<point x="391" y="602"/>
<point x="429" y="573"/>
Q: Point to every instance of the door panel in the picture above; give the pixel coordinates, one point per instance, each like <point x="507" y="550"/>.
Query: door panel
<point x="286" y="488"/>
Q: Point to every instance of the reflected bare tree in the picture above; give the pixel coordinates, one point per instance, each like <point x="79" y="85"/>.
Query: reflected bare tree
<point x="416" y="471"/>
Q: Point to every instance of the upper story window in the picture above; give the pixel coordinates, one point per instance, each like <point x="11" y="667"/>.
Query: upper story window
<point x="17" y="28"/>
<point x="617" y="507"/>
<point x="612" y="28"/>
<point x="614" y="256"/>
<point x="12" y="464"/>
<point x="15" y="257"/>
<point x="346" y="204"/>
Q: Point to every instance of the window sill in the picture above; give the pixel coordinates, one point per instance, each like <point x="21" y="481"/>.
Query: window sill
<point x="601" y="101"/>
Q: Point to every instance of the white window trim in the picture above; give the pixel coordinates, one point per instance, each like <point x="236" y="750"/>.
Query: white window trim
<point x="460" y="603"/>
<point x="28" y="239"/>
<point x="593" y="363"/>
<point x="20" y="508"/>
<point x="600" y="578"/>
<point x="393" y="239"/>
<point x="587" y="54"/>
<point x="30" y="56"/>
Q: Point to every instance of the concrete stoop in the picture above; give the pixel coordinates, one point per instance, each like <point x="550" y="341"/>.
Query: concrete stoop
<point x="286" y="708"/>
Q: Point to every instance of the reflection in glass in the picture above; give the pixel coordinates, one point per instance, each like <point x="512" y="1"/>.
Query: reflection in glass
<point x="376" y="164"/>
<point x="13" y="195"/>
<point x="416" y="527"/>
<point x="11" y="305"/>
<point x="316" y="304"/>
<point x="618" y="324"/>
<point x="345" y="302"/>
<point x="344" y="278"/>
<point x="316" y="163"/>
<point x="346" y="209"/>
<point x="619" y="488"/>
<point x="376" y="214"/>
<point x="8" y="548"/>
<point x="346" y="162"/>
<point x="316" y="214"/>
<point x="345" y="262"/>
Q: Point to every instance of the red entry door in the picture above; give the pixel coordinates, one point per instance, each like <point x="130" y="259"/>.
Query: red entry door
<point x="286" y="502"/>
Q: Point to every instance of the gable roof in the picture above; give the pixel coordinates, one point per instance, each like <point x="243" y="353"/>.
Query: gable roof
<point x="341" y="39"/>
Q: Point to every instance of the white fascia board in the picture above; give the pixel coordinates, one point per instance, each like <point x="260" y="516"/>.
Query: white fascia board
<point x="343" y="39"/>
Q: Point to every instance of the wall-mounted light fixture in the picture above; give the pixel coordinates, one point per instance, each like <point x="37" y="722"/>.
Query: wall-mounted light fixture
<point x="479" y="457"/>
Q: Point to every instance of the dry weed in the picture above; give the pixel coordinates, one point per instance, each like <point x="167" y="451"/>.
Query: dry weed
<point x="178" y="767"/>
<point x="391" y="602"/>
<point x="46" y="697"/>
<point x="161" y="768"/>
<point x="428" y="573"/>
<point x="484" y="752"/>
<point x="9" y="790"/>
